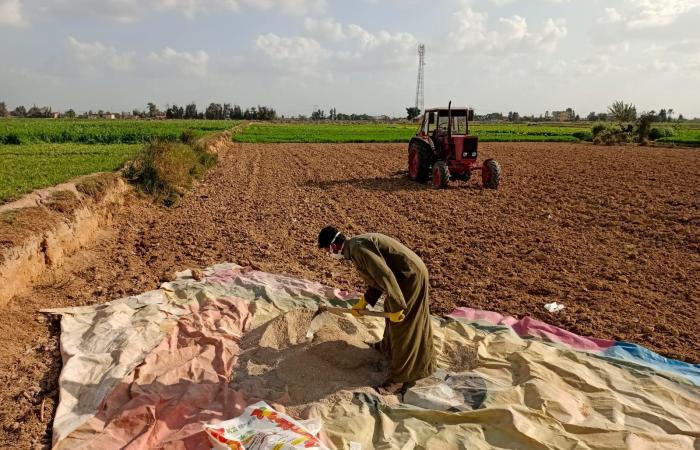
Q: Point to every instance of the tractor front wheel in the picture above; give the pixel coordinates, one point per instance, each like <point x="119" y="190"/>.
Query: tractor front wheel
<point x="491" y="174"/>
<point x="418" y="160"/>
<point x="441" y="175"/>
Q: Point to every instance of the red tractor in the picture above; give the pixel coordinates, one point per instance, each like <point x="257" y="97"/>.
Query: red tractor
<point x="443" y="149"/>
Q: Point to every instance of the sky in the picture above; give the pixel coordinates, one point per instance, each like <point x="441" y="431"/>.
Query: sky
<point x="359" y="56"/>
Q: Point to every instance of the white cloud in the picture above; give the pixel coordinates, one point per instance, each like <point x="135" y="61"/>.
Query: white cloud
<point x="183" y="62"/>
<point x="507" y="2"/>
<point x="512" y="36"/>
<point x="515" y="27"/>
<point x="95" y="55"/>
<point x="191" y="8"/>
<point x="326" y="28"/>
<point x="345" y="48"/>
<point x="593" y="65"/>
<point x="658" y="13"/>
<point x="11" y="13"/>
<point x="295" y="54"/>
<point x="611" y="16"/>
<point x="130" y="11"/>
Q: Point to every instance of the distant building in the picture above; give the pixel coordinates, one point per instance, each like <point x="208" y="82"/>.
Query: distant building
<point x="55" y="115"/>
<point x="108" y="115"/>
<point x="564" y="116"/>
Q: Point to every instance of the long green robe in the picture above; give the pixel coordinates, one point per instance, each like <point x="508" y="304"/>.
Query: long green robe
<point x="391" y="268"/>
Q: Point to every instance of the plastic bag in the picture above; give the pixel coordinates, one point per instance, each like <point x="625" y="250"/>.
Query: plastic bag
<point x="260" y="427"/>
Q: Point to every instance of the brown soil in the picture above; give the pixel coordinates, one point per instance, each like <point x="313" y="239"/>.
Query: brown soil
<point x="610" y="232"/>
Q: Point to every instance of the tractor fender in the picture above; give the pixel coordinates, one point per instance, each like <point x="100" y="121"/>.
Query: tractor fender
<point x="424" y="140"/>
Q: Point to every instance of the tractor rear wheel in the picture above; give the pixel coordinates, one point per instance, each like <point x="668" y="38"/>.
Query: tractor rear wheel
<point x="418" y="160"/>
<point x="441" y="175"/>
<point x="491" y="174"/>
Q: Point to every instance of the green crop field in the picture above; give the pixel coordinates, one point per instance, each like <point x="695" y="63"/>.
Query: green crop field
<point x="96" y="131"/>
<point x="292" y="132"/>
<point x="37" y="153"/>
<point x="685" y="134"/>
<point x="530" y="132"/>
<point x="32" y="166"/>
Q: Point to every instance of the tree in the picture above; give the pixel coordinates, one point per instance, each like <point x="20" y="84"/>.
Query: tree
<point x="39" y="113"/>
<point x="70" y="114"/>
<point x="3" y="110"/>
<point x="19" y="111"/>
<point x="644" y="125"/>
<point x="412" y="113"/>
<point x="191" y="111"/>
<point x="175" y="112"/>
<point x="622" y="112"/>
<point x="214" y="111"/>
<point x="266" y="113"/>
<point x="681" y="118"/>
<point x="152" y="110"/>
<point x="319" y="114"/>
<point x="250" y="113"/>
<point x="236" y="112"/>
<point x="227" y="111"/>
<point x="662" y="117"/>
<point x="670" y="114"/>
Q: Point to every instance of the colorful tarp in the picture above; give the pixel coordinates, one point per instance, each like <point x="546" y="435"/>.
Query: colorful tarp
<point x="159" y="371"/>
<point x="616" y="351"/>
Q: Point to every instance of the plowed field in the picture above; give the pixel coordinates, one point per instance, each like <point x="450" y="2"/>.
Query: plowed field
<point x="612" y="233"/>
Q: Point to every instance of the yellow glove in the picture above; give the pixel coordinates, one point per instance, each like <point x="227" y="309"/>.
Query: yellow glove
<point x="360" y="305"/>
<point x="397" y="316"/>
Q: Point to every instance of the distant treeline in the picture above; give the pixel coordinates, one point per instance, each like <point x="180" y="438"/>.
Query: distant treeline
<point x="219" y="111"/>
<point x="215" y="111"/>
<point x="226" y="111"/>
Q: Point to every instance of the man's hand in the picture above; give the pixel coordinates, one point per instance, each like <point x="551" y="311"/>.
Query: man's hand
<point x="360" y="305"/>
<point x="397" y="316"/>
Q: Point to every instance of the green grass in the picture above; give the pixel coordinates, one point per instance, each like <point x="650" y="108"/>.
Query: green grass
<point x="311" y="133"/>
<point x="528" y="132"/>
<point x="45" y="152"/>
<point x="684" y="135"/>
<point x="33" y="166"/>
<point x="96" y="131"/>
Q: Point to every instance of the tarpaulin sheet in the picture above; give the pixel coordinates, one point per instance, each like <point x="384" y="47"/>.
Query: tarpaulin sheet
<point x="182" y="382"/>
<point x="525" y="391"/>
<point x="615" y="351"/>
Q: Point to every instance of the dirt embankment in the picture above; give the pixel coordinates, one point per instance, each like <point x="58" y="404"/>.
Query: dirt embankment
<point x="39" y="231"/>
<point x="609" y="232"/>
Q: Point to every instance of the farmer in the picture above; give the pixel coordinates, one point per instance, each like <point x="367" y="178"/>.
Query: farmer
<point x="388" y="267"/>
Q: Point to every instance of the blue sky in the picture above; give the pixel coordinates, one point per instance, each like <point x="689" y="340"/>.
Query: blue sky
<point x="358" y="56"/>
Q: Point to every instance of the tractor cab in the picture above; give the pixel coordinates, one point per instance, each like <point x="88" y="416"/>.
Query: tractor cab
<point x="443" y="150"/>
<point x="448" y="129"/>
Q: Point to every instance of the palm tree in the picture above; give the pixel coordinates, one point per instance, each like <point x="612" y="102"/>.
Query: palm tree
<point x="670" y="114"/>
<point x="622" y="112"/>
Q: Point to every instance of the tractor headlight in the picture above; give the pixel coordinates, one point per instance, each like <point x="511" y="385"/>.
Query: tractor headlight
<point x="465" y="155"/>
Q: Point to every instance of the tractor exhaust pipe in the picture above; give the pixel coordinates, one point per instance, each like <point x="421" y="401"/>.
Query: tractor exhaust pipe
<point x="449" y="121"/>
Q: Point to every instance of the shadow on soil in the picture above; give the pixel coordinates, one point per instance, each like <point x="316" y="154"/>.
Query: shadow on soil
<point x="396" y="182"/>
